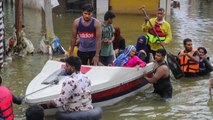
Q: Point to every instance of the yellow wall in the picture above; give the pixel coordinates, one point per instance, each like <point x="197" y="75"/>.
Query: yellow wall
<point x="132" y="6"/>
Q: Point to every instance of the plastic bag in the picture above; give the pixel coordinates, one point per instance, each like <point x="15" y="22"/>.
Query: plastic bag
<point x="42" y="47"/>
<point x="56" y="46"/>
<point x="29" y="46"/>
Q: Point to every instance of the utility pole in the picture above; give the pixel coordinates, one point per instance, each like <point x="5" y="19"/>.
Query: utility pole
<point x="2" y="42"/>
<point x="48" y="20"/>
<point x="18" y="20"/>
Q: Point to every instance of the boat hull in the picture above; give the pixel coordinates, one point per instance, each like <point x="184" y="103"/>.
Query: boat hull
<point x="114" y="95"/>
<point x="109" y="84"/>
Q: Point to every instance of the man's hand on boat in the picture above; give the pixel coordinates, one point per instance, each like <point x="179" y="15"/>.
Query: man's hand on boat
<point x="145" y="73"/>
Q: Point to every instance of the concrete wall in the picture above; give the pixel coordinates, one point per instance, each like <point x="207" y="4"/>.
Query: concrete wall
<point x="166" y="4"/>
<point x="118" y="6"/>
<point x="101" y="8"/>
<point x="132" y="6"/>
<point x="32" y="4"/>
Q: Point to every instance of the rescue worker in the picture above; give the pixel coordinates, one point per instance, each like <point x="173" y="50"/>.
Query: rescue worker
<point x="189" y="59"/>
<point x="6" y="100"/>
<point x="161" y="76"/>
<point x="161" y="26"/>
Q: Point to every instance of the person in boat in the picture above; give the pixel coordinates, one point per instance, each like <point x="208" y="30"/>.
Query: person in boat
<point x="75" y="93"/>
<point x="189" y="59"/>
<point x="205" y="66"/>
<point x="107" y="52"/>
<point x="6" y="101"/>
<point x="119" y="42"/>
<point x="34" y="112"/>
<point x="142" y="49"/>
<point x="161" y="76"/>
<point x="162" y="28"/>
<point x="89" y="31"/>
<point x="175" y="4"/>
<point x="128" y="58"/>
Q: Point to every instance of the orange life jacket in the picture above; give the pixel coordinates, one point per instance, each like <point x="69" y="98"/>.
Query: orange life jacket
<point x="188" y="65"/>
<point x="6" y="100"/>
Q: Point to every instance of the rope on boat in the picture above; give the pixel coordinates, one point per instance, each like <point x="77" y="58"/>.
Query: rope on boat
<point x="50" y="84"/>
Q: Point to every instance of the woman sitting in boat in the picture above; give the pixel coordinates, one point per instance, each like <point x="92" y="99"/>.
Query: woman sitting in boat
<point x="75" y="97"/>
<point x="205" y="66"/>
<point x="142" y="49"/>
<point x="118" y="42"/>
<point x="129" y="59"/>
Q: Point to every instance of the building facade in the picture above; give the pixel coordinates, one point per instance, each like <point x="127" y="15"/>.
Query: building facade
<point x="101" y="6"/>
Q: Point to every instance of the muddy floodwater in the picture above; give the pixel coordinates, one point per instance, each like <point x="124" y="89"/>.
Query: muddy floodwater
<point x="190" y="101"/>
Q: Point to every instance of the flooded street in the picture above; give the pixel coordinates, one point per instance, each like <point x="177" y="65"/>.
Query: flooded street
<point x="190" y="101"/>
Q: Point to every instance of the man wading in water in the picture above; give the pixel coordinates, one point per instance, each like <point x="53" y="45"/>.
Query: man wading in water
<point x="161" y="76"/>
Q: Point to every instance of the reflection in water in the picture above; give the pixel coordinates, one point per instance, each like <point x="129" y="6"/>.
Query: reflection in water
<point x="190" y="101"/>
<point x="192" y="21"/>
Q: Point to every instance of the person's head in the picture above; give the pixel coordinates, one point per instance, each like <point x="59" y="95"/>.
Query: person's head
<point x="160" y="55"/>
<point x="202" y="51"/>
<point x="108" y="16"/>
<point x="34" y="112"/>
<point x="160" y="14"/>
<point x="117" y="32"/>
<point x="73" y="64"/>
<point x="130" y="50"/>
<point x="87" y="12"/>
<point x="187" y="44"/>
<point x="141" y="39"/>
<point x="141" y="43"/>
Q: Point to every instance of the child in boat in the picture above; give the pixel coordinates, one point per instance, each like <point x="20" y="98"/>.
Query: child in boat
<point x="129" y="59"/>
<point x="205" y="66"/>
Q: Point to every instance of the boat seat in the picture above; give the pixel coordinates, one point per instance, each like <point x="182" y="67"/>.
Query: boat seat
<point x="93" y="114"/>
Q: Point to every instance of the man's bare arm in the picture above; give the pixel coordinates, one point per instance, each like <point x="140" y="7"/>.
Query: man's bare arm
<point x="195" y="58"/>
<point x="161" y="72"/>
<point x="98" y="37"/>
<point x="98" y="42"/>
<point x="74" y="35"/>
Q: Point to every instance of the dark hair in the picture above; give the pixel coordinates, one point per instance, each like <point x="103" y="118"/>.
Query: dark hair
<point x="204" y="49"/>
<point x="186" y="40"/>
<point x="109" y="15"/>
<point x="162" y="52"/>
<point x="0" y="80"/>
<point x="161" y="9"/>
<point x="74" y="61"/>
<point x="87" y="7"/>
<point x="34" y="112"/>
